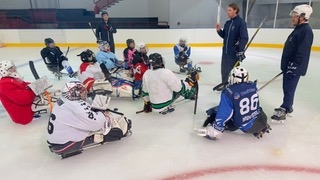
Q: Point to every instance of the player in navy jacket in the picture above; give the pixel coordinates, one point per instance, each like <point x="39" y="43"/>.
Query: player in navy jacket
<point x="295" y="58"/>
<point x="235" y="38"/>
<point x="239" y="108"/>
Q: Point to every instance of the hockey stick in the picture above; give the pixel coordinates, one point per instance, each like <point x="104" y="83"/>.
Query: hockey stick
<point x="173" y="103"/>
<point x="196" y="100"/>
<point x="92" y="29"/>
<point x="270" y="81"/>
<point x="236" y="64"/>
<point x="58" y="65"/>
<point x="106" y="72"/>
<point x="33" y="70"/>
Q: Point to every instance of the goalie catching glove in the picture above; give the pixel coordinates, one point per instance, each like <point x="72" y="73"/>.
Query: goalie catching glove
<point x="193" y="78"/>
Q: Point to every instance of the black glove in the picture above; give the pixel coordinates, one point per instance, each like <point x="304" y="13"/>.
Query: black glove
<point x="185" y="48"/>
<point x="181" y="53"/>
<point x="193" y="78"/>
<point x="241" y="56"/>
<point x="62" y="58"/>
<point x="147" y="107"/>
<point x="291" y="70"/>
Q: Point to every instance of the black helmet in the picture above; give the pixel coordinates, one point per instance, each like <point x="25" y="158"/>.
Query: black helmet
<point x="156" y="61"/>
<point x="47" y="41"/>
<point x="129" y="41"/>
<point x="87" y="56"/>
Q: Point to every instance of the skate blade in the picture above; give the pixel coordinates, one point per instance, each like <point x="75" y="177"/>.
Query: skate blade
<point x="278" y="121"/>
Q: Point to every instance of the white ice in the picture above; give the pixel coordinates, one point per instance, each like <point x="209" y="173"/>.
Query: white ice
<point x="165" y="146"/>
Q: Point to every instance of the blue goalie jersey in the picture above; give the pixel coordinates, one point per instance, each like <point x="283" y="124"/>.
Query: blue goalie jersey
<point x="239" y="103"/>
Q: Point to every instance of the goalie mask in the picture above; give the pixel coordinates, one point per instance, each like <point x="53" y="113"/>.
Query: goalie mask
<point x="87" y="56"/>
<point x="142" y="48"/>
<point x="104" y="46"/>
<point x="303" y="10"/>
<point x="74" y="91"/>
<point x="238" y="75"/>
<point x="8" y="69"/>
<point x="156" y="61"/>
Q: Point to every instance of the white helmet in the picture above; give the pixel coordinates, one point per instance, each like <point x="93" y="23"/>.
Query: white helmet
<point x="74" y="91"/>
<point x="303" y="10"/>
<point x="183" y="39"/>
<point x="4" y="69"/>
<point x="140" y="46"/>
<point x="238" y="75"/>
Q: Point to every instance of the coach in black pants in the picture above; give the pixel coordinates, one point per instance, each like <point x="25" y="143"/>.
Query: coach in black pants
<point x="105" y="31"/>
<point x="235" y="38"/>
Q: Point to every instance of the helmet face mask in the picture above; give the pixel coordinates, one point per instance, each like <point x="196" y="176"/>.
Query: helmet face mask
<point x="8" y="69"/>
<point x="130" y="43"/>
<point x="49" y="42"/>
<point x="156" y="61"/>
<point x="238" y="75"/>
<point x="142" y="48"/>
<point x="183" y="41"/>
<point x="104" y="46"/>
<point x="74" y="91"/>
<point x="87" y="56"/>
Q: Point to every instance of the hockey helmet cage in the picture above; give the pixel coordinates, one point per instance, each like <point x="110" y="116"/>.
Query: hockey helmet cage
<point x="129" y="41"/>
<point x="87" y="56"/>
<point x="238" y="75"/>
<point x="47" y="41"/>
<point x="4" y="69"/>
<point x="104" y="46"/>
<point x="74" y="91"/>
<point x="156" y="61"/>
<point x="303" y="10"/>
<point x="140" y="46"/>
<point x="183" y="41"/>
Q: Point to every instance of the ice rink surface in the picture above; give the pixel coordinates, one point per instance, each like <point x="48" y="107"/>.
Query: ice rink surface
<point x="165" y="146"/>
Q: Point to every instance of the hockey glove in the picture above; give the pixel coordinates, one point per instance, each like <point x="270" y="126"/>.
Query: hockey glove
<point x="291" y="70"/>
<point x="181" y="53"/>
<point x="241" y="56"/>
<point x="209" y="132"/>
<point x="147" y="107"/>
<point x="193" y="78"/>
<point x="185" y="48"/>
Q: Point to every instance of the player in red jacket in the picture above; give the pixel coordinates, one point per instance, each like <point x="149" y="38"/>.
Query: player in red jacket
<point x="17" y="98"/>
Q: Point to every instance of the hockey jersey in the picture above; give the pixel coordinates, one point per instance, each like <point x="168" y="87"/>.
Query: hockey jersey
<point x="158" y="87"/>
<point x="239" y="102"/>
<point x="88" y="73"/>
<point x="177" y="49"/>
<point x="17" y="99"/>
<point x="73" y="121"/>
<point x="108" y="58"/>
